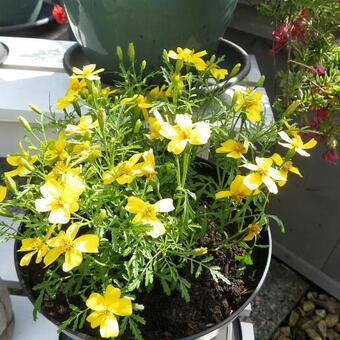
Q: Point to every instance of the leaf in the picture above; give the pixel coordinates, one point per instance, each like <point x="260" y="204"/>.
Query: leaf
<point x="138" y="319"/>
<point x="138" y="306"/>
<point x="278" y="222"/>
<point x="165" y="287"/>
<point x="199" y="271"/>
<point x="64" y="324"/>
<point x="37" y="304"/>
<point x="183" y="289"/>
<point x="122" y="326"/>
<point x="217" y="275"/>
<point x="135" y="329"/>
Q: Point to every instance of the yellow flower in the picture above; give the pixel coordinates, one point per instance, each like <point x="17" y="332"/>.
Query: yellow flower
<point x="3" y="192"/>
<point x="85" y="126"/>
<point x="233" y="148"/>
<point x="285" y="167"/>
<point x="88" y="72"/>
<point x="147" y="168"/>
<point x="105" y="308"/>
<point x="292" y="130"/>
<point x="140" y="102"/>
<point x="75" y="86"/>
<point x="56" y="149"/>
<point x="61" y="199"/>
<point x="217" y="72"/>
<point x="159" y="92"/>
<point x="190" y="57"/>
<point x="295" y="143"/>
<point x="67" y="100"/>
<point x="251" y="102"/>
<point x="147" y="213"/>
<point x="19" y="160"/>
<point x="60" y="169"/>
<point x="200" y="251"/>
<point x="34" y="245"/>
<point x="238" y="191"/>
<point x="124" y="172"/>
<point x="185" y="132"/>
<point x="154" y="126"/>
<point x="85" y="150"/>
<point x="66" y="243"/>
<point x="253" y="230"/>
<point x="263" y="173"/>
<point x="177" y="84"/>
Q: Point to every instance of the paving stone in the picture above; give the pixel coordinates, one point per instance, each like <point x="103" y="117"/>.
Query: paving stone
<point x="280" y="293"/>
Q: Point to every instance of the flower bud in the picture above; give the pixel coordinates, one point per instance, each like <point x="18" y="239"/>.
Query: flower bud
<point x="119" y="52"/>
<point x="26" y="164"/>
<point x="143" y="65"/>
<point x="101" y="117"/>
<point x="261" y="81"/>
<point x="292" y="107"/>
<point x="200" y="251"/>
<point x="103" y="214"/>
<point x="11" y="185"/>
<point x="25" y="123"/>
<point x="235" y="70"/>
<point x="35" y="109"/>
<point x="137" y="126"/>
<point x="131" y="52"/>
<point x="165" y="56"/>
<point x="179" y="65"/>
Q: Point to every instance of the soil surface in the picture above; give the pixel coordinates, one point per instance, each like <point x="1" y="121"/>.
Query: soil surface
<point x="170" y="318"/>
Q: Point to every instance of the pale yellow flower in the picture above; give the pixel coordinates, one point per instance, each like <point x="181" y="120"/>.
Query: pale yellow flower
<point x="85" y="126"/>
<point x="184" y="132"/>
<point x="263" y="173"/>
<point x="253" y="230"/>
<point x="238" y="190"/>
<point x="147" y="213"/>
<point x="295" y="143"/>
<point x="217" y="72"/>
<point x="88" y="72"/>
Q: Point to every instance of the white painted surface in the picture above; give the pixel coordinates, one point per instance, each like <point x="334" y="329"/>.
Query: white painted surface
<point x="24" y="326"/>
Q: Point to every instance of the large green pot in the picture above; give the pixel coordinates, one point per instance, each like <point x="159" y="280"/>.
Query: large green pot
<point x="14" y="12"/>
<point x="152" y="25"/>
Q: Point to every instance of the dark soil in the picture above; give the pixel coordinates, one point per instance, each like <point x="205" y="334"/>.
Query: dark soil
<point x="170" y="318"/>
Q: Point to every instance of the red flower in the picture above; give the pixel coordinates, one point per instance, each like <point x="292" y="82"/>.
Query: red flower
<point x="331" y="155"/>
<point x="59" y="14"/>
<point x="320" y="70"/>
<point x="280" y="35"/>
<point x="322" y="113"/>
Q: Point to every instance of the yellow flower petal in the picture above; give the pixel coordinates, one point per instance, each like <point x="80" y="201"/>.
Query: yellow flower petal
<point x="73" y="258"/>
<point x="95" y="302"/>
<point x="222" y="194"/>
<point x="157" y="228"/>
<point x="26" y="259"/>
<point x="135" y="205"/>
<point x="87" y="243"/>
<point x="52" y="255"/>
<point x="253" y="181"/>
<point x="72" y="231"/>
<point x="123" y="307"/>
<point x="177" y="146"/>
<point x="96" y="318"/>
<point x="109" y="327"/>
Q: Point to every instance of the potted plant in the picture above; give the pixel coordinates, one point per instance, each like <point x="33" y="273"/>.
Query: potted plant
<point x="124" y="227"/>
<point x="19" y="11"/>
<point x="151" y="25"/>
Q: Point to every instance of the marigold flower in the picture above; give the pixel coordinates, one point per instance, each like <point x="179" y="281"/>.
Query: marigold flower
<point x="105" y="308"/>
<point x="233" y="148"/>
<point x="3" y="192"/>
<point x="253" y="230"/>
<point x="154" y="126"/>
<point x="217" y="72"/>
<point x="147" y="213"/>
<point x="61" y="199"/>
<point x="159" y="92"/>
<point x="185" y="131"/>
<point x="34" y="245"/>
<point x="285" y="167"/>
<point x="67" y="100"/>
<point x="190" y="57"/>
<point x="56" y="149"/>
<point x="140" y="102"/>
<point x="85" y="150"/>
<point x="67" y="243"/>
<point x="20" y="160"/>
<point x="297" y="144"/>
<point x="88" y="72"/>
<point x="238" y="190"/>
<point x="251" y="102"/>
<point x="147" y="168"/>
<point x="263" y="173"/>
<point x="85" y="126"/>
<point x="75" y="86"/>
